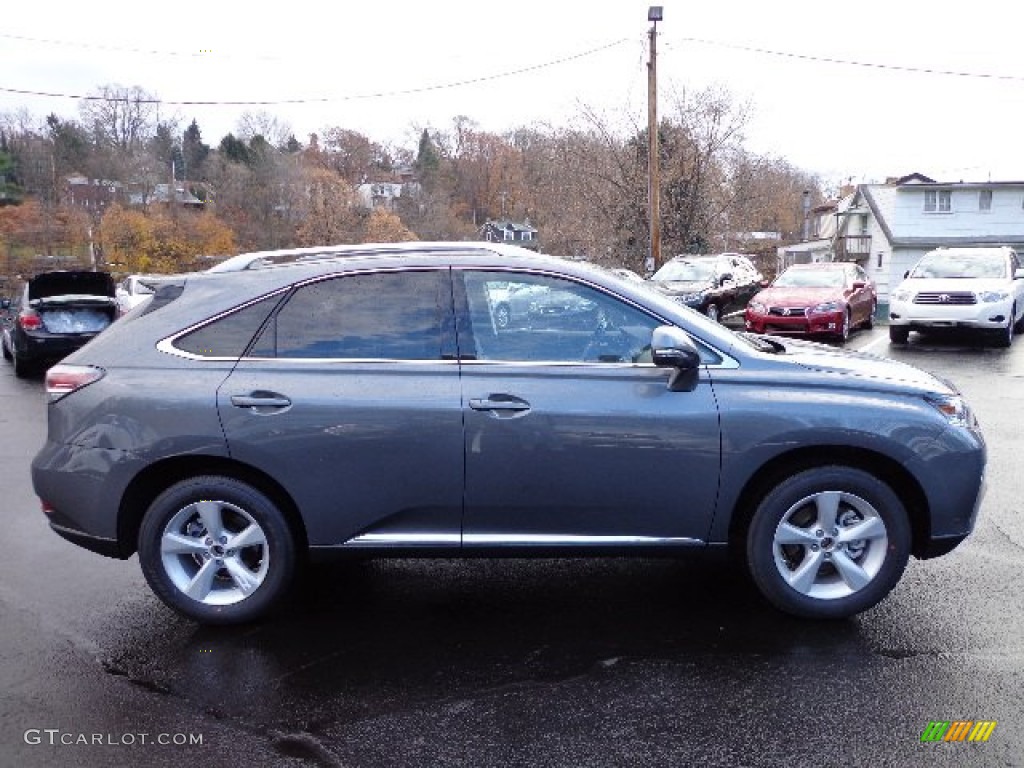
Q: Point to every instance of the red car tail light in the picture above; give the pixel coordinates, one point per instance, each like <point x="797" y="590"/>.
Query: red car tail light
<point x="62" y="380"/>
<point x="29" y="320"/>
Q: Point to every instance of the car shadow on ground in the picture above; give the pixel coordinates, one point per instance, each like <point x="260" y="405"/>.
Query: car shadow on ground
<point x="367" y="636"/>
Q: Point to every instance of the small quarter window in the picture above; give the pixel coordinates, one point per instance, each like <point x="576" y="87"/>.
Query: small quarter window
<point x="229" y="335"/>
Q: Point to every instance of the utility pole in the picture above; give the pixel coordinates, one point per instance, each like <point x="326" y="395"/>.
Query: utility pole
<point x="654" y="15"/>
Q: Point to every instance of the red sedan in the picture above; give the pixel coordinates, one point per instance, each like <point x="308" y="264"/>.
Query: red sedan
<point x="826" y="298"/>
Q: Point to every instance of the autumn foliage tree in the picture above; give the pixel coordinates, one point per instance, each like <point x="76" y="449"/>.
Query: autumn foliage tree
<point x="137" y="241"/>
<point x="385" y="227"/>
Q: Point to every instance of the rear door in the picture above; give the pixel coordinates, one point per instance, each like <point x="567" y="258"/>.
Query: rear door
<point x="350" y="399"/>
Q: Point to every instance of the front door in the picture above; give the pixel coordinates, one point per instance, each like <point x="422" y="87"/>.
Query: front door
<point x="572" y="435"/>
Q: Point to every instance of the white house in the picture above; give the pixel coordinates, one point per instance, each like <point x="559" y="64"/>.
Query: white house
<point x="887" y="227"/>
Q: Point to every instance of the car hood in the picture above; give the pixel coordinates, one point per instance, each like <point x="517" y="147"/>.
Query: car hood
<point x="797" y="297"/>
<point x="831" y="360"/>
<point x="676" y="287"/>
<point x="953" y="284"/>
<point x="70" y="283"/>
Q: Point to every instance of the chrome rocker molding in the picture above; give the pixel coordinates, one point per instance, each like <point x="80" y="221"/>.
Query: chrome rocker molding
<point x="386" y="540"/>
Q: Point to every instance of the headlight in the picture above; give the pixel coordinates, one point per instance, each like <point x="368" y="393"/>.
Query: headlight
<point x="758" y="308"/>
<point x="954" y="408"/>
<point x="901" y="294"/>
<point x="990" y="297"/>
<point x="827" y="306"/>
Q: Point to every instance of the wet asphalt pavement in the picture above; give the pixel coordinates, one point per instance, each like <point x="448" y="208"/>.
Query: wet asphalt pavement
<point x="519" y="662"/>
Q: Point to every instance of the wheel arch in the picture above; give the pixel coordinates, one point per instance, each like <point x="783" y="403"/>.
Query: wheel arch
<point x="156" y="478"/>
<point x="890" y="471"/>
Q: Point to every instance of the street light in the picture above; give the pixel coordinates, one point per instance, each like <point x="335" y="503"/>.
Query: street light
<point x="654" y="15"/>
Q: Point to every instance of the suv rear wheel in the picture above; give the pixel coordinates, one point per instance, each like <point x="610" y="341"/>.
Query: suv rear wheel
<point x="828" y="542"/>
<point x="217" y="550"/>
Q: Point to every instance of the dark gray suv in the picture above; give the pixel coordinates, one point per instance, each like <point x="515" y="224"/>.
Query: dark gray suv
<point x="237" y="424"/>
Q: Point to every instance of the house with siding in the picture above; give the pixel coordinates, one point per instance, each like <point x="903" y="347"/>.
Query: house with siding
<point x="512" y="232"/>
<point x="887" y="227"/>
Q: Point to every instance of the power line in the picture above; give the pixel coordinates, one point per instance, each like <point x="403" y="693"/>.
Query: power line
<point x="852" y="63"/>
<point x="121" y="49"/>
<point x="328" y="99"/>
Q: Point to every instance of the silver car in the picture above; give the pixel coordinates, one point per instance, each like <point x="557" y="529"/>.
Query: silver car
<point x="242" y="422"/>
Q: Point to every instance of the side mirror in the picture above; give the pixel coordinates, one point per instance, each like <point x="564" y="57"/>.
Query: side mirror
<point x="906" y="274"/>
<point x="726" y="277"/>
<point x="671" y="347"/>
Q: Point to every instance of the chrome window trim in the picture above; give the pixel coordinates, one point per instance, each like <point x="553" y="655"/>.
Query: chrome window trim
<point x="728" y="362"/>
<point x="166" y="345"/>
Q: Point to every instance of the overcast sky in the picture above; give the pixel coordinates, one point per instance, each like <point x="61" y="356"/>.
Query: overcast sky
<point x="386" y="68"/>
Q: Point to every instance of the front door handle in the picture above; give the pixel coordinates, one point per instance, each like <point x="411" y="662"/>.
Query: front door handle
<point x="499" y="403"/>
<point x="260" y="400"/>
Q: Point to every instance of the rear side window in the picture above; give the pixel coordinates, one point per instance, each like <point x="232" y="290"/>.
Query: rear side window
<point x="228" y="336"/>
<point x="382" y="315"/>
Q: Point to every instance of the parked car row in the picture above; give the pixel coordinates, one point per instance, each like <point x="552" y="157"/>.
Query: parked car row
<point x="822" y="299"/>
<point x="979" y="289"/>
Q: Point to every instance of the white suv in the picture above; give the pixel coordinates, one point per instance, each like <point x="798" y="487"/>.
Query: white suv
<point x="972" y="288"/>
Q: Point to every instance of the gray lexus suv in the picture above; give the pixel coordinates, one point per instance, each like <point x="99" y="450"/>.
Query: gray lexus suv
<point x="367" y="400"/>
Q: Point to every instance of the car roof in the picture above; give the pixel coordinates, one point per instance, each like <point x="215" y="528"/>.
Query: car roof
<point x="823" y="265"/>
<point x="289" y="256"/>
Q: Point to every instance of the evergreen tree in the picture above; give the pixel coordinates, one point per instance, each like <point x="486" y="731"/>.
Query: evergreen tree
<point x="194" y="152"/>
<point x="235" y="150"/>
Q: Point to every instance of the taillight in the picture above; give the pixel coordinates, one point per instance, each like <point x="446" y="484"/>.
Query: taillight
<point x="29" y="320"/>
<point x="62" y="380"/>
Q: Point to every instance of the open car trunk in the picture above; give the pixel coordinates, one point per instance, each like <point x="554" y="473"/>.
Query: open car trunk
<point x="73" y="302"/>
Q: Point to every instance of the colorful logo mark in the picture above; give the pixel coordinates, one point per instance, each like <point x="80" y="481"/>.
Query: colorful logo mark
<point x="958" y="730"/>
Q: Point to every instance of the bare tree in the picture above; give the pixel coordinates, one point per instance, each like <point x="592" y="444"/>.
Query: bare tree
<point x="252" y="124"/>
<point x="118" y="117"/>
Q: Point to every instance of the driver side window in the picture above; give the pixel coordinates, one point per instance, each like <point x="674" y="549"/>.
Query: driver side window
<point x="521" y="317"/>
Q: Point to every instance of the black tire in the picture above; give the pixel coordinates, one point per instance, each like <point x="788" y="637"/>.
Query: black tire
<point x="713" y="312"/>
<point x="877" y="559"/>
<point x="1018" y="327"/>
<point x="7" y="352"/>
<point x="1003" y="337"/>
<point x="898" y="334"/>
<point x="870" y="322"/>
<point x="266" y="566"/>
<point x="21" y="368"/>
<point x="843" y="334"/>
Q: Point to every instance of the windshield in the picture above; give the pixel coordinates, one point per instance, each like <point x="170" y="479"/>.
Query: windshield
<point x="696" y="271"/>
<point x="810" y="278"/>
<point x="961" y="265"/>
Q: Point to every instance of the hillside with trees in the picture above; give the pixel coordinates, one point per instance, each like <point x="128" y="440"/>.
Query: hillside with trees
<point x="125" y="188"/>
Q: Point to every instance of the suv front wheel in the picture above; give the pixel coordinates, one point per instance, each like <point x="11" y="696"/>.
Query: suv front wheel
<point x="828" y="543"/>
<point x="217" y="550"/>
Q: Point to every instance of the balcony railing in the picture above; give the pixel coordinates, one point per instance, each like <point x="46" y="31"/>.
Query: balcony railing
<point x="853" y="247"/>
